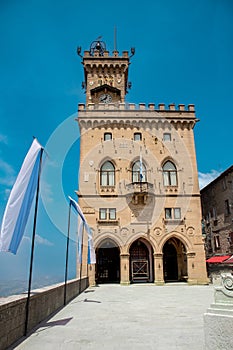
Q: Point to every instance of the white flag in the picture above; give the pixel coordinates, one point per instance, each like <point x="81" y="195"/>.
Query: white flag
<point x="20" y="200"/>
<point x="91" y="251"/>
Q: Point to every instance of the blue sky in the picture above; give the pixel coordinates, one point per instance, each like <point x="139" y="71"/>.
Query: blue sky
<point x="184" y="54"/>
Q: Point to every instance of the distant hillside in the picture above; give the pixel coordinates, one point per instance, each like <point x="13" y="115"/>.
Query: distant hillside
<point x="13" y="287"/>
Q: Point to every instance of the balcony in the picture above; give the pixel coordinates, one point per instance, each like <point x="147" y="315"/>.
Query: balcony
<point x="139" y="187"/>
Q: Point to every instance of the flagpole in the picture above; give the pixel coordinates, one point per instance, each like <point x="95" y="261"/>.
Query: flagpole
<point x="67" y="254"/>
<point x="140" y="172"/>
<point x="81" y="264"/>
<point x="33" y="244"/>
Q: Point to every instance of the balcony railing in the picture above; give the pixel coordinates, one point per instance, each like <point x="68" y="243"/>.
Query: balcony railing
<point x="139" y="187"/>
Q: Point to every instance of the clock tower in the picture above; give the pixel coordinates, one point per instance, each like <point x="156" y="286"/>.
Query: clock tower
<point x="138" y="180"/>
<point x="105" y="76"/>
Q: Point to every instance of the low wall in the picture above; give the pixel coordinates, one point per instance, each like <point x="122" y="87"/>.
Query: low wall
<point x="43" y="302"/>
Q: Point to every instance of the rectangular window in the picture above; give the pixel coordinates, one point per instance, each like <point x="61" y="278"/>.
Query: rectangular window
<point x="224" y="184"/>
<point x="107" y="213"/>
<point x="107" y="136"/>
<point x="167" y="136"/>
<point x="173" y="213"/>
<point x="112" y="214"/>
<point x="215" y="214"/>
<point x="227" y="207"/>
<point x="168" y="213"/>
<point x="177" y="213"/>
<point x="231" y="237"/>
<point x="137" y="136"/>
<point x="216" y="242"/>
<point x="103" y="214"/>
<point x="173" y="178"/>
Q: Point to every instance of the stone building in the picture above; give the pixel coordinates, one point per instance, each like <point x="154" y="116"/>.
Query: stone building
<point x="217" y="202"/>
<point x="138" y="183"/>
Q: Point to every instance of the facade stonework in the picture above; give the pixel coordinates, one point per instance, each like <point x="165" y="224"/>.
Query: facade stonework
<point x="138" y="184"/>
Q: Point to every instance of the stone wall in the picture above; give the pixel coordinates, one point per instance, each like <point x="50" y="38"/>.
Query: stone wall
<point x="43" y="302"/>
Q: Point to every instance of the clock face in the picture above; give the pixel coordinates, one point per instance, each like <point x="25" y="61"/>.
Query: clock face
<point x="105" y="98"/>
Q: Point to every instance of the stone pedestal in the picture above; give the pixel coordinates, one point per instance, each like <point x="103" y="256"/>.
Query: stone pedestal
<point x="218" y="320"/>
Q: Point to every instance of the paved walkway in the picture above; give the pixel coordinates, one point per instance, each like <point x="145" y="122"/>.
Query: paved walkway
<point x="134" y="317"/>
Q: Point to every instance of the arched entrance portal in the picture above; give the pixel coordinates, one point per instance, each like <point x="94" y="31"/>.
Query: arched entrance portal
<point x="108" y="262"/>
<point x="174" y="261"/>
<point x="141" y="263"/>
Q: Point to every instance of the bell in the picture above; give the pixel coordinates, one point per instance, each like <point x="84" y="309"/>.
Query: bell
<point x="98" y="46"/>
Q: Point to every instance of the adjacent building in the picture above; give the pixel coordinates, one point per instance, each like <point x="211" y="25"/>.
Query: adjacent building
<point x="217" y="211"/>
<point x="138" y="182"/>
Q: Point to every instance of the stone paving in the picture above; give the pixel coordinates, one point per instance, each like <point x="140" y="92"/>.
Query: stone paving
<point x="142" y="316"/>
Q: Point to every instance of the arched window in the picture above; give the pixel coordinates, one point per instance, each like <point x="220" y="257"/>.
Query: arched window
<point x="107" y="136"/>
<point x="169" y="174"/>
<point x="138" y="172"/>
<point x="107" y="174"/>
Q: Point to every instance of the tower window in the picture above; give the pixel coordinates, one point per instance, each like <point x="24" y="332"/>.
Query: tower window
<point x="167" y="136"/>
<point x="107" y="174"/>
<point x="107" y="136"/>
<point x="137" y="136"/>
<point x="169" y="174"/>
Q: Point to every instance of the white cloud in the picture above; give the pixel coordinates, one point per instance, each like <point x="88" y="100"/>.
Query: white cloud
<point x="47" y="190"/>
<point x="206" y="178"/>
<point x="44" y="241"/>
<point x="39" y="240"/>
<point x="7" y="174"/>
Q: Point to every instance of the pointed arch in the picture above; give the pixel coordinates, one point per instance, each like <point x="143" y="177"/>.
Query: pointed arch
<point x="169" y="174"/>
<point x="107" y="174"/>
<point x="139" y="172"/>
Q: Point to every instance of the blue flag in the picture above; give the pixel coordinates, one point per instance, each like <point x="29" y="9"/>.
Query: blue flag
<point x="20" y="200"/>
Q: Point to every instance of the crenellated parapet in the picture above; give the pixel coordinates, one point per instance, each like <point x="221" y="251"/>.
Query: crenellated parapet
<point x="115" y="54"/>
<point x="141" y="107"/>
<point x="130" y="115"/>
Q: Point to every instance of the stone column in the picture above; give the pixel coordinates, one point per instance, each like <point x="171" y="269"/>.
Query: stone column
<point x="125" y="266"/>
<point x="191" y="268"/>
<point x="158" y="269"/>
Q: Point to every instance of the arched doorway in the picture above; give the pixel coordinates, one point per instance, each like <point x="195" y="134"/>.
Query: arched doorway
<point x="174" y="261"/>
<point x="141" y="263"/>
<point x="108" y="262"/>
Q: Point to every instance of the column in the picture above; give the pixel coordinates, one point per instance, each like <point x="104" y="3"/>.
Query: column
<point x="158" y="269"/>
<point x="125" y="266"/>
<point x="191" y="268"/>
